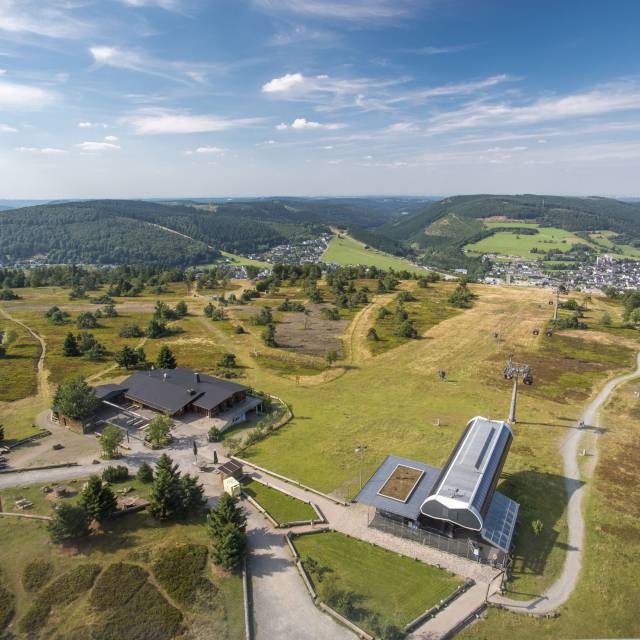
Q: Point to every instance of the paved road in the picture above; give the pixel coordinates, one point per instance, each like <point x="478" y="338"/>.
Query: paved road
<point x="559" y="592"/>
<point x="282" y="605"/>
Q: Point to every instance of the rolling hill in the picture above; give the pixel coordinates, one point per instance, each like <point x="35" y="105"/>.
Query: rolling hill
<point x="180" y="232"/>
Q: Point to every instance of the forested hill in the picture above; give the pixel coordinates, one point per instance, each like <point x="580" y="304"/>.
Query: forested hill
<point x="132" y="231"/>
<point x="459" y="218"/>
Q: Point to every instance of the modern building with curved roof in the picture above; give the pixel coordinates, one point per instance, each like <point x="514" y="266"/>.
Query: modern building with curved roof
<point x="465" y="487"/>
<point x="456" y="508"/>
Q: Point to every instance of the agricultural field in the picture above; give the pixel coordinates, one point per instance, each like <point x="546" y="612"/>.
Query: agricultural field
<point x="133" y="576"/>
<point x="281" y="507"/>
<point x="345" y="250"/>
<point x="604" y="240"/>
<point x="511" y="243"/>
<point x="359" y="578"/>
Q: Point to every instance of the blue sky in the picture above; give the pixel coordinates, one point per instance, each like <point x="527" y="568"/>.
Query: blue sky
<point x="167" y="98"/>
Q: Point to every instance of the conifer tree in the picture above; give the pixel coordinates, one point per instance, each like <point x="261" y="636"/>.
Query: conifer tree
<point x="166" y="491"/>
<point x="70" y="346"/>
<point x="98" y="499"/>
<point x="166" y="359"/>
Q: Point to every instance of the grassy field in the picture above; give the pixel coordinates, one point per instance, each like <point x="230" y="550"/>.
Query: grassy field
<point x="18" y="367"/>
<point x="127" y="601"/>
<point x="428" y="308"/>
<point x="605" y="603"/>
<point x="345" y="250"/>
<point x="604" y="240"/>
<point x="393" y="400"/>
<point x="513" y="244"/>
<point x="241" y="260"/>
<point x="395" y="587"/>
<point x="280" y="506"/>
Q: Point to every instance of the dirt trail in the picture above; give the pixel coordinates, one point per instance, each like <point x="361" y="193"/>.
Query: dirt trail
<point x="44" y="390"/>
<point x="355" y="337"/>
<point x="575" y="486"/>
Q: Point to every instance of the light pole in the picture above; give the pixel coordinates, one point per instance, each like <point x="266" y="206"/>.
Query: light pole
<point x="360" y="450"/>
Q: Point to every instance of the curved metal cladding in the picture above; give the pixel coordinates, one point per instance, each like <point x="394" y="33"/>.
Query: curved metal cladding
<point x="465" y="488"/>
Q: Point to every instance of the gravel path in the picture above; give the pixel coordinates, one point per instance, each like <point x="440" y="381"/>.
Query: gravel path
<point x="575" y="486"/>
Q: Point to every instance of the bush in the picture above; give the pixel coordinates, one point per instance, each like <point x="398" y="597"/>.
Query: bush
<point x="36" y="574"/>
<point x="330" y="313"/>
<point x="7" y="606"/>
<point x="145" y="473"/>
<point x="214" y="435"/>
<point x="63" y="590"/>
<point x="118" y="473"/>
<point x="117" y="585"/>
<point x="179" y="570"/>
<point x="159" y="620"/>
<point x="131" y="331"/>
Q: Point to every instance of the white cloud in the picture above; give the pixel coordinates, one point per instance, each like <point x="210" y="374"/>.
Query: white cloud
<point x="111" y="138"/>
<point x="22" y="96"/>
<point x="5" y="128"/>
<point x="168" y="5"/>
<point x="350" y="10"/>
<point x="284" y="83"/>
<point x="282" y="126"/>
<point x="303" y="123"/>
<point x="41" y="150"/>
<point x="612" y="98"/>
<point x="402" y="127"/>
<point x="141" y="62"/>
<point x="435" y="51"/>
<point x="52" y="19"/>
<point x="214" y="151"/>
<point x="88" y="125"/>
<point x="91" y="146"/>
<point x="148" y="122"/>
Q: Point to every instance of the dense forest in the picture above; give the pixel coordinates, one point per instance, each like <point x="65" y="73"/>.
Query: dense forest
<point x="142" y="232"/>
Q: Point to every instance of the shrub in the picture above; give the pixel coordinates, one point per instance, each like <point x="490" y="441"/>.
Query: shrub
<point x="36" y="574"/>
<point x="7" y="606"/>
<point x="131" y="331"/>
<point x="110" y="441"/>
<point x="145" y="473"/>
<point x="63" y="590"/>
<point x="160" y="620"/>
<point x="214" y="435"/>
<point x="330" y="313"/>
<point x="116" y="585"/>
<point x="118" y="473"/>
<point x="179" y="569"/>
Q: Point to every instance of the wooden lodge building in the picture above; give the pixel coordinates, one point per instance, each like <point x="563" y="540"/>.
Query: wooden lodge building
<point x="178" y="391"/>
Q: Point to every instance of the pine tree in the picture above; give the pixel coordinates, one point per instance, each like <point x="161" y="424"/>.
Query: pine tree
<point x="98" y="499"/>
<point x="70" y="346"/>
<point x="229" y="547"/>
<point x="166" y="359"/>
<point x="166" y="494"/>
<point x="69" y="522"/>
<point x="192" y="493"/>
<point x="226" y="512"/>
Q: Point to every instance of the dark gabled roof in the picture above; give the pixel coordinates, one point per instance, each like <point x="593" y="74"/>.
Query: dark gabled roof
<point x="171" y="390"/>
<point x="107" y="391"/>
<point x="370" y="493"/>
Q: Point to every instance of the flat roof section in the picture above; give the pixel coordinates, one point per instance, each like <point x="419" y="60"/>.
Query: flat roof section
<point x="401" y="483"/>
<point x="370" y="493"/>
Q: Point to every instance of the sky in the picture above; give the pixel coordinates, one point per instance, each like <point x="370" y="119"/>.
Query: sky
<point x="197" y="98"/>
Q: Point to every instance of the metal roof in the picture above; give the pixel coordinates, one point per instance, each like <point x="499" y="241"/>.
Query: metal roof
<point x="469" y="476"/>
<point x="171" y="390"/>
<point x="106" y="391"/>
<point x="369" y="494"/>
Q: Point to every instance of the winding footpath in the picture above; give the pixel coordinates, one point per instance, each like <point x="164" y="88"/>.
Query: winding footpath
<point x="558" y="593"/>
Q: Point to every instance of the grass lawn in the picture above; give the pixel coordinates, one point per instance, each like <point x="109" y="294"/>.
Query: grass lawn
<point x="241" y="260"/>
<point x="18" y="367"/>
<point x="605" y="602"/>
<point x="280" y="506"/>
<point x="346" y="250"/>
<point x="392" y="588"/>
<point x="513" y="244"/>
<point x="604" y="240"/>
<point x="166" y="585"/>
<point x="429" y="308"/>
